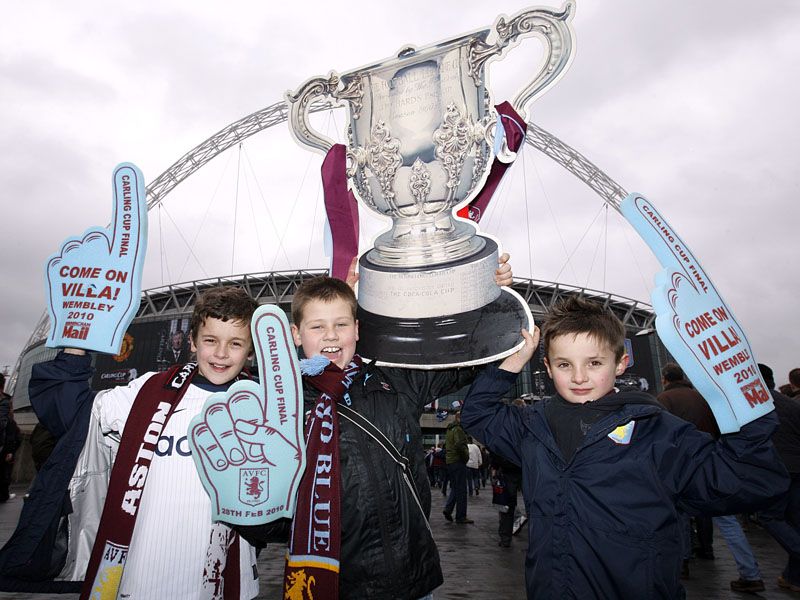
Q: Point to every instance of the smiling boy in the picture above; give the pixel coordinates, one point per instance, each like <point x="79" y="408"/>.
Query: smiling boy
<point x="386" y="550"/>
<point x="386" y="547"/>
<point x="605" y="474"/>
<point x="136" y="435"/>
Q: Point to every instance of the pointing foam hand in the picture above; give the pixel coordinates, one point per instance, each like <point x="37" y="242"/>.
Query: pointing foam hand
<point x="698" y="327"/>
<point x="94" y="282"/>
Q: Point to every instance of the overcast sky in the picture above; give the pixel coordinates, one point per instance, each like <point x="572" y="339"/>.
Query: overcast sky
<point x="693" y="104"/>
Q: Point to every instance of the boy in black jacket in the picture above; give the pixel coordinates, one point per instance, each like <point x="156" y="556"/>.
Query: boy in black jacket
<point x="605" y="473"/>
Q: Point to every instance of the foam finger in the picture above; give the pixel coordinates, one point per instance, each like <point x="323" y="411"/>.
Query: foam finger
<point x="278" y="366"/>
<point x="221" y="425"/>
<point x="245" y="406"/>
<point x="205" y="441"/>
<point x="251" y="434"/>
<point x="129" y="218"/>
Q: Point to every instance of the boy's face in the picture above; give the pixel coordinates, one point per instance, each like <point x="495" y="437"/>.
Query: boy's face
<point x="223" y="348"/>
<point x="582" y="368"/>
<point x="329" y="329"/>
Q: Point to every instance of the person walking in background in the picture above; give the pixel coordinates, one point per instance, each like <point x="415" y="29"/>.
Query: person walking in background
<point x="440" y="468"/>
<point x="794" y="383"/>
<point x="5" y="407"/>
<point x="456" y="456"/>
<point x="9" y="441"/>
<point x="473" y="466"/>
<point x="511" y="475"/>
<point x="485" y="456"/>
<point x="429" y="455"/>
<point x="6" y="419"/>
<point x="782" y="520"/>
<point x="682" y="400"/>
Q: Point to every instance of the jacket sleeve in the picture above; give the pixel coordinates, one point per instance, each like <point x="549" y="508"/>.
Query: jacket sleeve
<point x="258" y="536"/>
<point x="487" y="418"/>
<point x="59" y="388"/>
<point x="427" y="386"/>
<point x="5" y="413"/>
<point x="13" y="439"/>
<point x="740" y="472"/>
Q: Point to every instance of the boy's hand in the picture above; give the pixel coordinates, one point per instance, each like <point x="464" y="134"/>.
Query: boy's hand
<point x="697" y="327"/>
<point x="517" y="361"/>
<point x="503" y="275"/>
<point x="352" y="276"/>
<point x="247" y="443"/>
<point x="94" y="282"/>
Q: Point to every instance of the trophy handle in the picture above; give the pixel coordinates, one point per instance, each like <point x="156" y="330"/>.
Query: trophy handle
<point x="299" y="103"/>
<point x="551" y="26"/>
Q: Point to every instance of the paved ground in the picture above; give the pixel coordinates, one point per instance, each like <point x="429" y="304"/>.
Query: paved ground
<point x="476" y="568"/>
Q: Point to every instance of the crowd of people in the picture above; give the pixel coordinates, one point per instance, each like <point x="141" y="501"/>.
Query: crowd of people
<point x="635" y="476"/>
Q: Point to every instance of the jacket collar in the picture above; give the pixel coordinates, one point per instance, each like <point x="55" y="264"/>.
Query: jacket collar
<point x="633" y="406"/>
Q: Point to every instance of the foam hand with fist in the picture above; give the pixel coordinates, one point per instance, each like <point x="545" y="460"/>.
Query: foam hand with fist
<point x="698" y="327"/>
<point x="94" y="282"/>
<point x="247" y="442"/>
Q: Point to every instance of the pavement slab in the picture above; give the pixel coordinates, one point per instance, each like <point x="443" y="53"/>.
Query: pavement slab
<point x="476" y="568"/>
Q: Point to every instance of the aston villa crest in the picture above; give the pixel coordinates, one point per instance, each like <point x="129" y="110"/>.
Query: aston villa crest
<point x="253" y="486"/>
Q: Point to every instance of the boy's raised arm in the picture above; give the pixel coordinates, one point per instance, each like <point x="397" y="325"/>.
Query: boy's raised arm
<point x="485" y="416"/>
<point x="58" y="390"/>
<point x="741" y="472"/>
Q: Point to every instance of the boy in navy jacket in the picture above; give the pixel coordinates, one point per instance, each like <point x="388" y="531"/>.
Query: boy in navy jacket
<point x="605" y="474"/>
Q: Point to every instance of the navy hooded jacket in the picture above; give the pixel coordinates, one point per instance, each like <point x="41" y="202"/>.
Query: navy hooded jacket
<point x="605" y="524"/>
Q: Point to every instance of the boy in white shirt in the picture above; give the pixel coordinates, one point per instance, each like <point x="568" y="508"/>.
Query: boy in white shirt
<point x="174" y="550"/>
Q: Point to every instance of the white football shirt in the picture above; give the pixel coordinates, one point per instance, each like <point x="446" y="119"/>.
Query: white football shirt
<point x="173" y="527"/>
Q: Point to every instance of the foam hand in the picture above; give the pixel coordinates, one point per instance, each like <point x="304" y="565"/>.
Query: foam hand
<point x="247" y="443"/>
<point x="697" y="327"/>
<point x="94" y="282"/>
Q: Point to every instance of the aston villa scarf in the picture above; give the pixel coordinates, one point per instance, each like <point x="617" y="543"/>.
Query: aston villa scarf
<point x="313" y="559"/>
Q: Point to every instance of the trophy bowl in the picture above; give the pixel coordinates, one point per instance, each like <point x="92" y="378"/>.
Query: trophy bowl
<point x="420" y="144"/>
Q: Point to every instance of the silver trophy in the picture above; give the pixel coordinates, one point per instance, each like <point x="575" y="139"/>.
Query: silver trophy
<point x="421" y="139"/>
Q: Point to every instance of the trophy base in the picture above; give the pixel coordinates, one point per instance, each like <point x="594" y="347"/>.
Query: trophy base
<point x="475" y="337"/>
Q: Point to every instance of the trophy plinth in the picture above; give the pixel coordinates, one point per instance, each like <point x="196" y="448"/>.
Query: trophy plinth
<point x="402" y="312"/>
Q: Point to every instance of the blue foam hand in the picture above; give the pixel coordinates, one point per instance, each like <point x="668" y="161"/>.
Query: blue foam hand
<point x="247" y="443"/>
<point x="698" y="327"/>
<point x="94" y="282"/>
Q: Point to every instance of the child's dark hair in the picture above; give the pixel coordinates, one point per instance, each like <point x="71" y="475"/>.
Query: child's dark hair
<point x="577" y="315"/>
<point x="672" y="372"/>
<point x="323" y="288"/>
<point x="223" y="303"/>
<point x="794" y="377"/>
